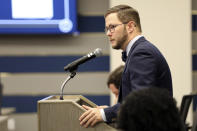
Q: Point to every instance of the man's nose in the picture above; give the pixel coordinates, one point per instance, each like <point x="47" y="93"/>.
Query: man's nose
<point x="108" y="33"/>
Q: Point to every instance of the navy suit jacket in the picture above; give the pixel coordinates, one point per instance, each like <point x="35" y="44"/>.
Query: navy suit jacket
<point x="145" y="67"/>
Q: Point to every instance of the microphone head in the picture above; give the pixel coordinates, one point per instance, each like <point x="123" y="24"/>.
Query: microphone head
<point x="98" y="52"/>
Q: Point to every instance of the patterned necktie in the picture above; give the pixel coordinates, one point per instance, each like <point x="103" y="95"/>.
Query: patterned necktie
<point x="124" y="56"/>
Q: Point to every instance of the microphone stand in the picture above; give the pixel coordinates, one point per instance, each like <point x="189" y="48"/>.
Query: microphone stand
<point x="73" y="73"/>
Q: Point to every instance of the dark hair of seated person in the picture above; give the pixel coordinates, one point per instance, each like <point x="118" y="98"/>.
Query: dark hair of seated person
<point x="150" y="109"/>
<point x="116" y="76"/>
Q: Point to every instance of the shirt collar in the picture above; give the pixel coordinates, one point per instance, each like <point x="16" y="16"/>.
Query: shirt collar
<point x="131" y="43"/>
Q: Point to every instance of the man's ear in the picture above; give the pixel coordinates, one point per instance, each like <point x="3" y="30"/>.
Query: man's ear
<point x="131" y="26"/>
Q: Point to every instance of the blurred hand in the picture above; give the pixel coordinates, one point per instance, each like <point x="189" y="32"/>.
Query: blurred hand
<point x="90" y="117"/>
<point x="102" y="107"/>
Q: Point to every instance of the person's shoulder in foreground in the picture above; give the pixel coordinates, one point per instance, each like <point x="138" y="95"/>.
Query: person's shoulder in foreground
<point x="150" y="109"/>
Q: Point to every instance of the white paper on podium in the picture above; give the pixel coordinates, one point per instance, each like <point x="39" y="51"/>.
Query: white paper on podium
<point x="32" y="9"/>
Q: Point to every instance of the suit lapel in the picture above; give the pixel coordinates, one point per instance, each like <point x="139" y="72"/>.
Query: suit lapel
<point x="128" y="58"/>
<point x="131" y="50"/>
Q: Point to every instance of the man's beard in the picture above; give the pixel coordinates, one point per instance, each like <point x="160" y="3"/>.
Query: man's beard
<point x="121" y="41"/>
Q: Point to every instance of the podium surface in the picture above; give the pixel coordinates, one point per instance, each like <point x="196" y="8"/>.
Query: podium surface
<point x="63" y="115"/>
<point x="3" y="123"/>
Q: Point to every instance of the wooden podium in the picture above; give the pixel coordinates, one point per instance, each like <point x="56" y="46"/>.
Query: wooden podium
<point x="3" y="123"/>
<point x="63" y="115"/>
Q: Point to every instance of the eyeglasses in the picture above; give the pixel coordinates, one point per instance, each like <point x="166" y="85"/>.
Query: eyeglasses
<point x="111" y="28"/>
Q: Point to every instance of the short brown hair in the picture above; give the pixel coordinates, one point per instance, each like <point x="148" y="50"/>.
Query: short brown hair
<point x="125" y="14"/>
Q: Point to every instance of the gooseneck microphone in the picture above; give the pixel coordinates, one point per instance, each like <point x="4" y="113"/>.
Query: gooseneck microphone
<point x="73" y="66"/>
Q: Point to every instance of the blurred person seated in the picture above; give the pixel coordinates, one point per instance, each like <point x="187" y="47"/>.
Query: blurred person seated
<point x="114" y="81"/>
<point x="150" y="109"/>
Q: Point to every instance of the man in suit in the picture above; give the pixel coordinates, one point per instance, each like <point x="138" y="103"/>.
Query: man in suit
<point x="145" y="66"/>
